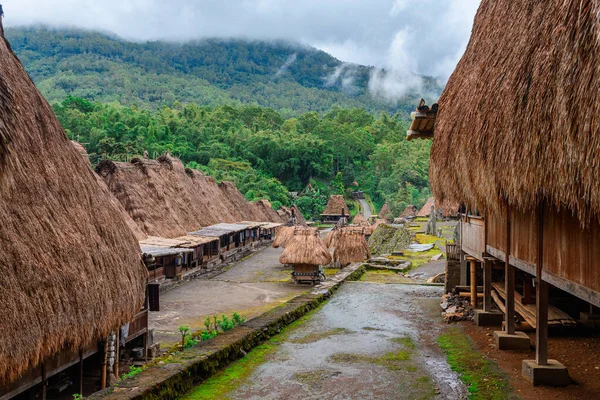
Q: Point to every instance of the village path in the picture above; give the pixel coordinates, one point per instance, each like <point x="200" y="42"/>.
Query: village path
<point x="367" y="212"/>
<point x="370" y="341"/>
<point x="250" y="288"/>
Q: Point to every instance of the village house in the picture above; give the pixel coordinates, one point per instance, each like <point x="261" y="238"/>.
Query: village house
<point x="514" y="143"/>
<point x="335" y="210"/>
<point x="72" y="270"/>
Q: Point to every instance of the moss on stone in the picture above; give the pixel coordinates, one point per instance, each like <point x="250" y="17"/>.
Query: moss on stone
<point x="388" y="239"/>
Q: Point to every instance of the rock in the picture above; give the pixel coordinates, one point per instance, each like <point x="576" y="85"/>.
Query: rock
<point x="437" y="257"/>
<point x="451" y="310"/>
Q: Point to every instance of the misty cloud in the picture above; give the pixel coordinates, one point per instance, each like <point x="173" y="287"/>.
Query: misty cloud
<point x="291" y="59"/>
<point x="405" y="37"/>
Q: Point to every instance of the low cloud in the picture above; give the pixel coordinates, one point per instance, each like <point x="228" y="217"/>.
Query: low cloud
<point x="360" y="31"/>
<point x="291" y="59"/>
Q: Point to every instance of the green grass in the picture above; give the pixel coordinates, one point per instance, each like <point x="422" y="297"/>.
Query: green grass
<point x="481" y="375"/>
<point x="224" y="382"/>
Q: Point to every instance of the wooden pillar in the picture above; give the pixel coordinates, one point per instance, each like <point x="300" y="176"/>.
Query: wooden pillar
<point x="509" y="281"/>
<point x="473" y="265"/>
<point x="44" y="387"/>
<point x="81" y="372"/>
<point x="103" y="371"/>
<point x="487" y="285"/>
<point x="541" y="309"/>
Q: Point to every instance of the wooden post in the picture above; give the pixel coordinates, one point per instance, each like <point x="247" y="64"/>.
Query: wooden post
<point x="509" y="281"/>
<point x="487" y="285"/>
<point x="103" y="372"/>
<point x="81" y="372"/>
<point x="473" y="265"/>
<point x="44" y="387"/>
<point x="541" y="333"/>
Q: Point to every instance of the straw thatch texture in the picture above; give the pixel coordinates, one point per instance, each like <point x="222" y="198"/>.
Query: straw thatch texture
<point x="426" y="209"/>
<point x="265" y="212"/>
<point x="282" y="235"/>
<point x="336" y="206"/>
<point x="305" y="248"/>
<point x="360" y="220"/>
<point x="351" y="246"/>
<point x="518" y="119"/>
<point x="386" y="212"/>
<point x="409" y="212"/>
<point x="446" y="209"/>
<point x="286" y="215"/>
<point x="332" y="237"/>
<point x="242" y="209"/>
<point x="71" y="268"/>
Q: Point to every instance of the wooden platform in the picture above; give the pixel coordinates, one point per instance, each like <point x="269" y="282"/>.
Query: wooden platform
<point x="556" y="317"/>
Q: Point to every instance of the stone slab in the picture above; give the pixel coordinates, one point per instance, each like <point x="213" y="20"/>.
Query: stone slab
<point x="518" y="341"/>
<point x="486" y="318"/>
<point x="553" y="374"/>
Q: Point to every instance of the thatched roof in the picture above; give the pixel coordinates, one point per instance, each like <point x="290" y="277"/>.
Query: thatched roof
<point x="360" y="220"/>
<point x="385" y="212"/>
<point x="336" y="206"/>
<point x="351" y="246"/>
<point x="426" y="209"/>
<point x="167" y="200"/>
<point x="447" y="208"/>
<point x="286" y="215"/>
<point x="305" y="247"/>
<point x="331" y="239"/>
<point x="409" y="212"/>
<point x="518" y="117"/>
<point x="71" y="268"/>
<point x="283" y="234"/>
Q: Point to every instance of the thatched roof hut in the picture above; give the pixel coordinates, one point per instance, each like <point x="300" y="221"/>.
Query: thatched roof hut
<point x="444" y="208"/>
<point x="283" y="234"/>
<point x="351" y="246"/>
<point x="518" y="118"/>
<point x="426" y="209"/>
<point x="386" y="212"/>
<point x="71" y="268"/>
<point x="336" y="206"/>
<point x="305" y="248"/>
<point x="360" y="220"/>
<point x="286" y="214"/>
<point x="409" y="212"/>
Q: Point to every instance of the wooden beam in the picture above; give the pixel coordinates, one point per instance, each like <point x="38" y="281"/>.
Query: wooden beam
<point x="81" y="372"/>
<point x="473" y="283"/>
<point x="509" y="281"/>
<point x="487" y="285"/>
<point x="103" y="371"/>
<point x="541" y="315"/>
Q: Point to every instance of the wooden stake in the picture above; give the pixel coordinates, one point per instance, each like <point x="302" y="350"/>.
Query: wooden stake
<point x="487" y="285"/>
<point x="473" y="283"/>
<point x="117" y="353"/>
<point x="509" y="281"/>
<point x="541" y="333"/>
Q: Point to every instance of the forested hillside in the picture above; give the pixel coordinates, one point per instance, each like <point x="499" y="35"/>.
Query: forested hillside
<point x="264" y="153"/>
<point x="289" y="78"/>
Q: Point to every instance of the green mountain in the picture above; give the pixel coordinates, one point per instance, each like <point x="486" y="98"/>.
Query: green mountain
<point x="288" y="77"/>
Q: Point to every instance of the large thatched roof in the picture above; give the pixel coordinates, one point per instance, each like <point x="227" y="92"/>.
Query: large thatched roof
<point x="286" y="214"/>
<point x="351" y="246"/>
<point x="71" y="268"/>
<point x="519" y="117"/>
<point x="336" y="206"/>
<point x="360" y="220"/>
<point x="385" y="212"/>
<point x="167" y="200"/>
<point x="305" y="247"/>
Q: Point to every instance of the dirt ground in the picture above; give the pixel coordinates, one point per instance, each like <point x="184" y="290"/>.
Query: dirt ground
<point x="250" y="288"/>
<point x="369" y="341"/>
<point x="577" y="349"/>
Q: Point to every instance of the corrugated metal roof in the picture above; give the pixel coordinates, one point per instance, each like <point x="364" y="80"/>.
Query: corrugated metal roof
<point x="220" y="230"/>
<point x="163" y="251"/>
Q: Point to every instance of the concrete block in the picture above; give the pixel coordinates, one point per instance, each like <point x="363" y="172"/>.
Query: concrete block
<point x="484" y="318"/>
<point x="553" y="374"/>
<point x="518" y="341"/>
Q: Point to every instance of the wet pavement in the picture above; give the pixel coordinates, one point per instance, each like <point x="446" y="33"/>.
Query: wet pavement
<point x="250" y="288"/>
<point x="366" y="208"/>
<point x="370" y="341"/>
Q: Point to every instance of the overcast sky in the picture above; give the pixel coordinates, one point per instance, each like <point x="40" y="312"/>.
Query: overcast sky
<point x="407" y="36"/>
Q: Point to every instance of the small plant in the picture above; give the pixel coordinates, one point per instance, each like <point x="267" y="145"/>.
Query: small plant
<point x="133" y="371"/>
<point x="226" y="324"/>
<point x="184" y="330"/>
<point x="206" y="335"/>
<point x="237" y="319"/>
<point x="191" y="342"/>
<point x="207" y="323"/>
<point x="77" y="396"/>
<point x="216" y="323"/>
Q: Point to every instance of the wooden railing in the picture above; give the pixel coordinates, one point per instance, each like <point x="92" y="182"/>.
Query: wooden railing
<point x="452" y="252"/>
